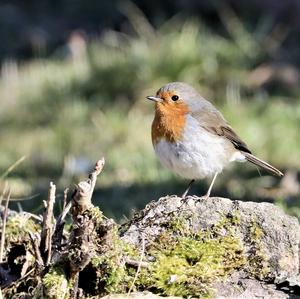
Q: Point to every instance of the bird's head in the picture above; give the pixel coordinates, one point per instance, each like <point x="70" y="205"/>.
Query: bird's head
<point x="176" y="96"/>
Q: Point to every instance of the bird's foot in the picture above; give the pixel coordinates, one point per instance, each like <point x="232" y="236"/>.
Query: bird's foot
<point x="184" y="195"/>
<point x="206" y="196"/>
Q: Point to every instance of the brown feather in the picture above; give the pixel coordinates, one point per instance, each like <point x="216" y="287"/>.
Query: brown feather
<point x="212" y="120"/>
<point x="263" y="164"/>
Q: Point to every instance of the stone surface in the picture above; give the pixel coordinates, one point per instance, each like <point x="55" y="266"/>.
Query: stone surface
<point x="277" y="236"/>
<point x="239" y="288"/>
<point x="137" y="295"/>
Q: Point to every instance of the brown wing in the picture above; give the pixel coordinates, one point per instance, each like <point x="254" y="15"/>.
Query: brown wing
<point x="213" y="121"/>
<point x="228" y="133"/>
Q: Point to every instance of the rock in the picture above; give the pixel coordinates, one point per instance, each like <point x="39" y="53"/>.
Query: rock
<point x="241" y="288"/>
<point x="137" y="295"/>
<point x="265" y="256"/>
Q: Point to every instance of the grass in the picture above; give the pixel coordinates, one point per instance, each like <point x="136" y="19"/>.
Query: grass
<point x="64" y="113"/>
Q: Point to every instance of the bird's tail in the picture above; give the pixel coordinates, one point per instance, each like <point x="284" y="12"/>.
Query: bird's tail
<point x="262" y="164"/>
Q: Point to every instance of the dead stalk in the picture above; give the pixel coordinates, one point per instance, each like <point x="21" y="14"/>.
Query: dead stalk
<point x="4" y="227"/>
<point x="47" y="228"/>
<point x="3" y="192"/>
<point x="35" y="239"/>
<point x="65" y="197"/>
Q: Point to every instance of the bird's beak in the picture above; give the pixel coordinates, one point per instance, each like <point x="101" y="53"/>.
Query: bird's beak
<point x="155" y="99"/>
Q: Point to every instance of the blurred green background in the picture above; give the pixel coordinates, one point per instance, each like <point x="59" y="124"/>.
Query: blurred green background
<point x="74" y="76"/>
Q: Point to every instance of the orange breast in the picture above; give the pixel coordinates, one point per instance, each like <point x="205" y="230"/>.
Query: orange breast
<point x="169" y="121"/>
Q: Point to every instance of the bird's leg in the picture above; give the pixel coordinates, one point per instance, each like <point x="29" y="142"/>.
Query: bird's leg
<point x="211" y="185"/>
<point x="187" y="189"/>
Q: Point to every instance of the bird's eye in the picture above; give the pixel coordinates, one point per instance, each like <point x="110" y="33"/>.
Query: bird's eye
<point x="175" y="98"/>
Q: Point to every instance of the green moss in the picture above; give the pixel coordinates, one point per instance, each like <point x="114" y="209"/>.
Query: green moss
<point x="114" y="276"/>
<point x="179" y="225"/>
<point x="108" y="262"/>
<point x="95" y="215"/>
<point x="258" y="264"/>
<point x="130" y="251"/>
<point x="188" y="263"/>
<point x="192" y="265"/>
<point x="55" y="284"/>
<point x="109" y="271"/>
<point x="228" y="223"/>
<point x="18" y="227"/>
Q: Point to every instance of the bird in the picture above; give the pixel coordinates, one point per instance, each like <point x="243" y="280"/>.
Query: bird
<point x="192" y="139"/>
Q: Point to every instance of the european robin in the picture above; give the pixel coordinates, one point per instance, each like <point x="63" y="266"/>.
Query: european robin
<point x="192" y="138"/>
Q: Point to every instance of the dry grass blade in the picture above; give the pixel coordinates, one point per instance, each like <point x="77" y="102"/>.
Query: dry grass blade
<point x="12" y="167"/>
<point x="63" y="215"/>
<point x="4" y="227"/>
<point x="59" y="227"/>
<point x="139" y="266"/>
<point x="3" y="192"/>
<point x="60" y="220"/>
<point x="25" y="197"/>
<point x="138" y="20"/>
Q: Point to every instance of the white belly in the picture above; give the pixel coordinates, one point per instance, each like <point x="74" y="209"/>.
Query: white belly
<point x="199" y="154"/>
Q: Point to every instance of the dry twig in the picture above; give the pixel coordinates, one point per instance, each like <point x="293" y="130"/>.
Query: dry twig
<point x="82" y="195"/>
<point x="59" y="229"/>
<point x="65" y="197"/>
<point x="47" y="227"/>
<point x="83" y="225"/>
<point x="136" y="264"/>
<point x="35" y="239"/>
<point x="60" y="223"/>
